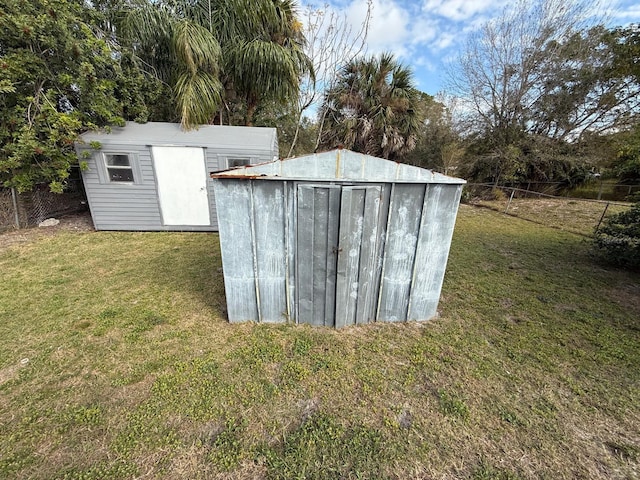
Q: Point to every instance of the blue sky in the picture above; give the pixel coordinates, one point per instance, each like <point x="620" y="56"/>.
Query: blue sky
<point x="425" y="34"/>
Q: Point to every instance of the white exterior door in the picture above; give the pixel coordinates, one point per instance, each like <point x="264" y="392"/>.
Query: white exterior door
<point x="182" y="185"/>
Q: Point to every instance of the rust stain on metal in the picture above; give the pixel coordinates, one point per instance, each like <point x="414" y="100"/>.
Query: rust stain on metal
<point x="238" y="176"/>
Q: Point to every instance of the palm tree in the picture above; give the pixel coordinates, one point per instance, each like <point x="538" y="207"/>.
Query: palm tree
<point x="210" y="52"/>
<point x="373" y="108"/>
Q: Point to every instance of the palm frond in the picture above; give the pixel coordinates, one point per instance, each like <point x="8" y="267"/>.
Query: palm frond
<point x="198" y="97"/>
<point x="373" y="107"/>
<point x="196" y="48"/>
<point x="265" y="67"/>
<point x="146" y="22"/>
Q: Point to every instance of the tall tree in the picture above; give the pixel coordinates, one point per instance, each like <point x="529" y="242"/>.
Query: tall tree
<point x="439" y="146"/>
<point x="373" y="108"/>
<point x="544" y="77"/>
<point x="59" y="76"/>
<point x="217" y="53"/>
<point x="331" y="43"/>
<point x="544" y="67"/>
<point x="588" y="88"/>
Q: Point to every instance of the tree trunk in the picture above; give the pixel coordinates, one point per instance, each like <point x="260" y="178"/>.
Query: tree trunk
<point x="320" y="127"/>
<point x="295" y="135"/>
<point x="252" y="105"/>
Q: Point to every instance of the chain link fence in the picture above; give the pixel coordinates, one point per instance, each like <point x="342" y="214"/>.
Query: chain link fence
<point x="22" y="210"/>
<point x="576" y="215"/>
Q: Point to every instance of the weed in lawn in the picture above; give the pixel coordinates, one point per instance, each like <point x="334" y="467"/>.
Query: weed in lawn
<point x="227" y="449"/>
<point x="142" y="323"/>
<point x="486" y="471"/>
<point x="509" y="417"/>
<point x="452" y="405"/>
<point x="83" y="416"/>
<point x="115" y="470"/>
<point x="340" y="451"/>
<point x="292" y="373"/>
<point x="301" y="346"/>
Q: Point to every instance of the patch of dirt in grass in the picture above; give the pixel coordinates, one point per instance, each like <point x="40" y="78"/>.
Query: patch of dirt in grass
<point x="627" y="296"/>
<point x="77" y="222"/>
<point x="11" y="372"/>
<point x="8" y="373"/>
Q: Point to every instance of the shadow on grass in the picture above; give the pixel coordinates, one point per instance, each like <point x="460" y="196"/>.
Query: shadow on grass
<point x="191" y="264"/>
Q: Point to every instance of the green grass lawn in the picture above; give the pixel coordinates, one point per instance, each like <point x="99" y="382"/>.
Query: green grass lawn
<point x="531" y="371"/>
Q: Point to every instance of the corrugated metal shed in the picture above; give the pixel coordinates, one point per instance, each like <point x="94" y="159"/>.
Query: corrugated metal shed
<point x="337" y="238"/>
<point x="154" y="176"/>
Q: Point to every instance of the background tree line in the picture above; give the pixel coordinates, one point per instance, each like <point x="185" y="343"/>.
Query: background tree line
<point x="544" y="92"/>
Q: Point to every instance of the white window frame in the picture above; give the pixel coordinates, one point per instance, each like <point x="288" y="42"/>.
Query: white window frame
<point x="133" y="160"/>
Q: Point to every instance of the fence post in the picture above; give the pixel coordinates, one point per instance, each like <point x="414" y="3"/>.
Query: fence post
<point x="601" y="218"/>
<point x="600" y="191"/>
<point x="510" y="198"/>
<point x="14" y="201"/>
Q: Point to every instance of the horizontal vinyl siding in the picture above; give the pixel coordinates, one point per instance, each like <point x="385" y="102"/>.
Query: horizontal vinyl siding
<point x="211" y="165"/>
<point x="123" y="206"/>
<point x="141" y="227"/>
<point x="136" y="206"/>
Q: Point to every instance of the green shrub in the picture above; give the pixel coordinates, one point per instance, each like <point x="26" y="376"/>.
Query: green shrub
<point x="619" y="238"/>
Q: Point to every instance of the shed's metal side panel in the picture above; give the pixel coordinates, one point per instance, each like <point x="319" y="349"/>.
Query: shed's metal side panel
<point x="316" y="248"/>
<point x="357" y="256"/>
<point x="332" y="233"/>
<point x="436" y="229"/>
<point x="342" y="165"/>
<point x="383" y="220"/>
<point x="376" y="170"/>
<point x="216" y="160"/>
<point x="271" y="265"/>
<point x="349" y="248"/>
<point x="290" y="198"/>
<point x="236" y="249"/>
<point x="399" y="255"/>
<point x="304" y="251"/>
<point x="369" y="274"/>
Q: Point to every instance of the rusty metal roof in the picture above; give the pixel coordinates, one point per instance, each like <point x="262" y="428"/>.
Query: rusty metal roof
<point x="338" y="165"/>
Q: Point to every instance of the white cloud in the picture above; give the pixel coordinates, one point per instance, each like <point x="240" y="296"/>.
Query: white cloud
<point x="425" y="63"/>
<point x="445" y="40"/>
<point x="424" y="30"/>
<point x="389" y="27"/>
<point x="460" y="10"/>
<point x="418" y="33"/>
<point x="625" y="14"/>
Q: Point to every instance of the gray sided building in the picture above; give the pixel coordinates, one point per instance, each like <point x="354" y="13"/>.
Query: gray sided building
<point x="155" y="176"/>
<point x="337" y="238"/>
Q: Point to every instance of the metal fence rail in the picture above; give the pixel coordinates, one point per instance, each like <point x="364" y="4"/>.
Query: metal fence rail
<point x="576" y="215"/>
<point x="595" y="189"/>
<point x="22" y="210"/>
